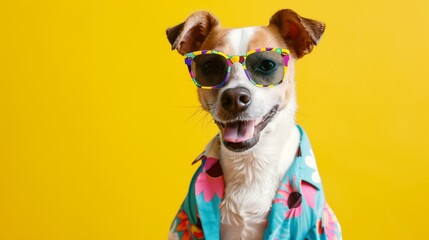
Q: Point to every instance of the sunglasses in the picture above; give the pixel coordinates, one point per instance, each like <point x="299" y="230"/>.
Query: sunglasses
<point x="264" y="67"/>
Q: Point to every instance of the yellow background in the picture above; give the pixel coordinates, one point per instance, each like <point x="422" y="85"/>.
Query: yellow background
<point x="97" y="123"/>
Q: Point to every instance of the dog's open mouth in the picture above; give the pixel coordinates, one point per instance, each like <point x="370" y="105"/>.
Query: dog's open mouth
<point x="239" y="136"/>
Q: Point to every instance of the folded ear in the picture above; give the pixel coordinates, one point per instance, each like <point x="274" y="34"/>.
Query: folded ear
<point x="300" y="34"/>
<point x="190" y="35"/>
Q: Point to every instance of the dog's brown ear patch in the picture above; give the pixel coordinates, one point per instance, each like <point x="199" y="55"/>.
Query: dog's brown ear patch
<point x="190" y="35"/>
<point x="300" y="34"/>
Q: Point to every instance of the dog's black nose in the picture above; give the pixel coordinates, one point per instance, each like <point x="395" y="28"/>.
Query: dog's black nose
<point x="235" y="100"/>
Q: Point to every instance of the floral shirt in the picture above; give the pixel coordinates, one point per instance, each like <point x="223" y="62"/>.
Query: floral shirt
<point x="299" y="209"/>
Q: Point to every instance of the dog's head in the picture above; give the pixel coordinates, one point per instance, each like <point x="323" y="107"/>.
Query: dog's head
<point x="244" y="91"/>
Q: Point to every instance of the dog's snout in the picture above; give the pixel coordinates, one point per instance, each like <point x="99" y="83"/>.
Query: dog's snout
<point x="235" y="100"/>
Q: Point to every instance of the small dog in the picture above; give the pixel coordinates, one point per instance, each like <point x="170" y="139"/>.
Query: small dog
<point x="258" y="178"/>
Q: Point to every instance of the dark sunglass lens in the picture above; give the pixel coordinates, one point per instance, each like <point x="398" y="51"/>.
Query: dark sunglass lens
<point x="209" y="69"/>
<point x="265" y="68"/>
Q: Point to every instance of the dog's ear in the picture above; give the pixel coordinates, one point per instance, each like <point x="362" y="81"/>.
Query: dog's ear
<point x="190" y="35"/>
<point x="300" y="34"/>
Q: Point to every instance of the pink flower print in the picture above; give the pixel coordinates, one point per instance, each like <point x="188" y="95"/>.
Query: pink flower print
<point x="292" y="198"/>
<point x="329" y="224"/>
<point x="210" y="181"/>
<point x="309" y="191"/>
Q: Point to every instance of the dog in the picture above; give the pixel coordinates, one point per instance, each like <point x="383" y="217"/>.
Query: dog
<point x="258" y="178"/>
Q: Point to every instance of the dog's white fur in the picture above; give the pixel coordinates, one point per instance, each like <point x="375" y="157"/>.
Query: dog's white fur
<point x="252" y="177"/>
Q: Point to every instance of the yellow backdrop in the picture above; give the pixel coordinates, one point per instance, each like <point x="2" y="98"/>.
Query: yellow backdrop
<point x="99" y="121"/>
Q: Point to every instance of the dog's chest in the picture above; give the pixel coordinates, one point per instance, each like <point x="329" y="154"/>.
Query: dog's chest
<point x="250" y="186"/>
<point x="244" y="214"/>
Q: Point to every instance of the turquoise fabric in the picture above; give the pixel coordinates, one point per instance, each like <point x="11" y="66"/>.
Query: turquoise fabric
<point x="299" y="210"/>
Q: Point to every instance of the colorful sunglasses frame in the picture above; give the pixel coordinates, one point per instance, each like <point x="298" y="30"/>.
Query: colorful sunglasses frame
<point x="233" y="59"/>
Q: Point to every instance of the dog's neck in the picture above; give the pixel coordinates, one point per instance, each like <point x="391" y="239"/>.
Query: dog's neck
<point x="253" y="176"/>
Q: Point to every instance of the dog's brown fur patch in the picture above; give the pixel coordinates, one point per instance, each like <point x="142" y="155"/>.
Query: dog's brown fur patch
<point x="217" y="40"/>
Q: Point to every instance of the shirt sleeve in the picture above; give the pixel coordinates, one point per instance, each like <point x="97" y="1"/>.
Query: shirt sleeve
<point x="327" y="226"/>
<point x="186" y="223"/>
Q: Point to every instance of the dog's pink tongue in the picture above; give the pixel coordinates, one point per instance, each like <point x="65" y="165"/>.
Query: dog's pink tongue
<point x="239" y="131"/>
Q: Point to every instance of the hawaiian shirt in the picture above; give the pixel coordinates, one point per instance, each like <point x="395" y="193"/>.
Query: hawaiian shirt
<point x="299" y="209"/>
